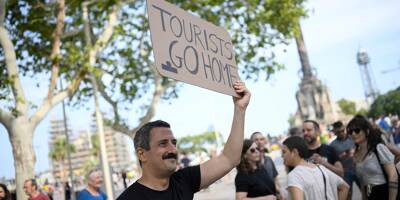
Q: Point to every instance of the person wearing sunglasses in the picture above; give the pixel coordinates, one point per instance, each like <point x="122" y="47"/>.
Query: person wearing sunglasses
<point x="374" y="162"/>
<point x="345" y="147"/>
<point x="261" y="142"/>
<point x="309" y="181"/>
<point x="252" y="180"/>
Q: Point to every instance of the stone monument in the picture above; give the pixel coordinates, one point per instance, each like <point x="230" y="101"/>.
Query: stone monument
<point x="313" y="99"/>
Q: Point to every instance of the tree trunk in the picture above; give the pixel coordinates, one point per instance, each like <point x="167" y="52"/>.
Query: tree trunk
<point x="21" y="138"/>
<point x="63" y="176"/>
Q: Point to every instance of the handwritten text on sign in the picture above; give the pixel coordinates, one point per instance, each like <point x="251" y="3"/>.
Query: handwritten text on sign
<point x="191" y="50"/>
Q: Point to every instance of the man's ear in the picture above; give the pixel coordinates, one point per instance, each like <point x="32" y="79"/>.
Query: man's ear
<point x="140" y="153"/>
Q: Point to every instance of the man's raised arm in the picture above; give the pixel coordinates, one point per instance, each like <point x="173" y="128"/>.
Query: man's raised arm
<point x="220" y="165"/>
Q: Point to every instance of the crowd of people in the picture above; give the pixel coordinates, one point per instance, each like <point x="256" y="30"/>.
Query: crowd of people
<point x="364" y="153"/>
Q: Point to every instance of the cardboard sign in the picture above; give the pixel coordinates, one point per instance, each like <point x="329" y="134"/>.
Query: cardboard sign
<point x="192" y="50"/>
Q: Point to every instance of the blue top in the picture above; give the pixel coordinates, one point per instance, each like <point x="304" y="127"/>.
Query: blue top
<point x="85" y="195"/>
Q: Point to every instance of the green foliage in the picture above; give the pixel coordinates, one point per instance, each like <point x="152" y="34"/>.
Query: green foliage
<point x="197" y="143"/>
<point x="363" y="112"/>
<point x="348" y="107"/>
<point x="95" y="151"/>
<point x="388" y="103"/>
<point x="256" y="27"/>
<point x="58" y="151"/>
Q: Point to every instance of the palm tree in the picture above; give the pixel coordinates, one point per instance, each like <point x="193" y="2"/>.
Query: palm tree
<point x="58" y="152"/>
<point x="95" y="150"/>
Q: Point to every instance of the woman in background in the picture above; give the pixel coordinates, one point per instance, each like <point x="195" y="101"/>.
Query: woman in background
<point x="252" y="180"/>
<point x="4" y="193"/>
<point x="374" y="162"/>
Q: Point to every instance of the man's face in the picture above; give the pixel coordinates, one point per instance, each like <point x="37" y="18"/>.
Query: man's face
<point x="162" y="154"/>
<point x="96" y="179"/>
<point x="260" y="141"/>
<point x="29" y="189"/>
<point x="310" y="133"/>
<point x="340" y="132"/>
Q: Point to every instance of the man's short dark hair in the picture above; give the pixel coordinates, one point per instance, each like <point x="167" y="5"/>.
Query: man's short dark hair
<point x="296" y="142"/>
<point x="142" y="136"/>
<point x="253" y="134"/>
<point x="337" y="125"/>
<point x="33" y="183"/>
<point x="315" y="123"/>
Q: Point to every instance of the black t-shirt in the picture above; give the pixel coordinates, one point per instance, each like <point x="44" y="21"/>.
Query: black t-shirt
<point x="326" y="152"/>
<point x="182" y="186"/>
<point x="256" y="184"/>
<point x="270" y="167"/>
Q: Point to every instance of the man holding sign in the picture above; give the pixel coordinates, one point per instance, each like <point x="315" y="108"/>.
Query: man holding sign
<point x="155" y="147"/>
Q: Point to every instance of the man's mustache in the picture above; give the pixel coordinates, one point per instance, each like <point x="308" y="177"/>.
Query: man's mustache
<point x="169" y="156"/>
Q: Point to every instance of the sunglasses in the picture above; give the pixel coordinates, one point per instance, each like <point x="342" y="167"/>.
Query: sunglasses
<point x="354" y="130"/>
<point x="253" y="150"/>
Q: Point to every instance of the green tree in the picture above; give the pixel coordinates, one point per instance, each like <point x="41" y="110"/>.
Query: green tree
<point x="44" y="39"/>
<point x="196" y="143"/>
<point x="348" y="107"/>
<point x="109" y="39"/>
<point x="362" y="111"/>
<point x="58" y="153"/>
<point x="256" y="27"/>
<point x="386" y="104"/>
<point x="95" y="150"/>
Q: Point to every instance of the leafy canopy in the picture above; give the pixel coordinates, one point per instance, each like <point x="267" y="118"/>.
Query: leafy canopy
<point x="388" y="103"/>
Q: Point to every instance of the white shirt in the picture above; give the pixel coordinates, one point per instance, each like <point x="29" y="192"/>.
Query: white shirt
<point x="311" y="182"/>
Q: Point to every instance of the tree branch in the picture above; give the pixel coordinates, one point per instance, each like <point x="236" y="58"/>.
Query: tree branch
<point x="158" y="91"/>
<point x="55" y="53"/>
<point x="11" y="63"/>
<point x="48" y="103"/>
<point x="108" y="30"/>
<point x="2" y="11"/>
<point x="6" y="118"/>
<point x="104" y="94"/>
<point x="71" y="33"/>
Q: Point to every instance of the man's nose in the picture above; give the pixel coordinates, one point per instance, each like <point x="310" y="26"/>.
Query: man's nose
<point x="172" y="147"/>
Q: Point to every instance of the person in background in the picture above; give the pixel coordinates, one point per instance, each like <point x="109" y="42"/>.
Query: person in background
<point x="93" y="192"/>
<point x="383" y="122"/>
<point x="344" y="147"/>
<point x="261" y="142"/>
<point x="374" y="162"/>
<point x="252" y="180"/>
<point x="296" y="131"/>
<point x="320" y="153"/>
<point x="67" y="190"/>
<point x="32" y="190"/>
<point x="185" y="161"/>
<point x="4" y="192"/>
<point x="48" y="189"/>
<point x="308" y="181"/>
